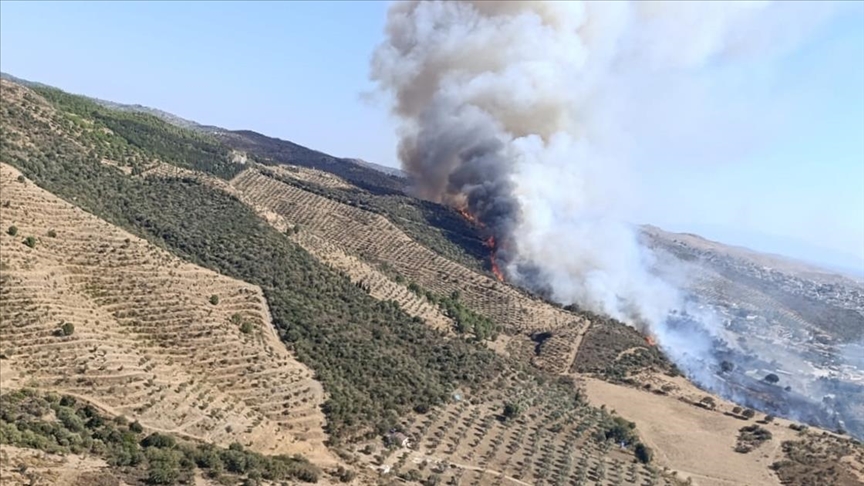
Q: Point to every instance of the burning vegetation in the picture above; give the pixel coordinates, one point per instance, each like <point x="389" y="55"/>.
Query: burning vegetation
<point x="490" y="243"/>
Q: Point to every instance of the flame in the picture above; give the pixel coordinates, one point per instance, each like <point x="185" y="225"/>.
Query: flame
<point x="470" y="217"/>
<point x="650" y="340"/>
<point x="495" y="269"/>
<point x="490" y="243"/>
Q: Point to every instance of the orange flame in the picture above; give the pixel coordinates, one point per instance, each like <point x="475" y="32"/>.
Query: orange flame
<point x="495" y="269"/>
<point x="490" y="243"/>
<point x="470" y="217"/>
<point x="650" y="341"/>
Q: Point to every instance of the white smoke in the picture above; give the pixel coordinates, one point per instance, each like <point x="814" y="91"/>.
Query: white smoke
<point x="533" y="114"/>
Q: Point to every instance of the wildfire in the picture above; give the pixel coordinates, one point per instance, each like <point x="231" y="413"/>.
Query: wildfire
<point x="470" y="217"/>
<point x="650" y="340"/>
<point x="490" y="243"/>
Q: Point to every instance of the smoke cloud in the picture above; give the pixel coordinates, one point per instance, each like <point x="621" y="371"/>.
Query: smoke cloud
<point x="534" y="117"/>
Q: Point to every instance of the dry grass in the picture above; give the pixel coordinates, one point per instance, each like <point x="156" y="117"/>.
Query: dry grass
<point x="148" y="343"/>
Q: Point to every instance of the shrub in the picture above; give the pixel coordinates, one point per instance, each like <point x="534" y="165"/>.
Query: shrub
<point x="159" y="441"/>
<point x="52" y="234"/>
<point x="67" y="328"/>
<point x="30" y="241"/>
<point x="246" y="327"/>
<point x="772" y="378"/>
<point x="748" y="413"/>
<point x="136" y="427"/>
<point x="643" y="453"/>
<point x="13" y="230"/>
<point x="511" y="410"/>
<point x="21" y="179"/>
<point x="214" y="299"/>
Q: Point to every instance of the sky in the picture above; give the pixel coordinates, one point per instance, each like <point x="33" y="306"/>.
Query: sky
<point x="299" y="71"/>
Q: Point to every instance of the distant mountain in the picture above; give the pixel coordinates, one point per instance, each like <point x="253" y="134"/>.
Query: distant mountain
<point x="382" y="168"/>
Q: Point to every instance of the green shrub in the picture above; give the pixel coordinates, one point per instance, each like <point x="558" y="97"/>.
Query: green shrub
<point x="13" y="230"/>
<point x="52" y="234"/>
<point x="67" y="329"/>
<point x="246" y="327"/>
<point x="643" y="453"/>
<point x="30" y="241"/>
<point x="214" y="299"/>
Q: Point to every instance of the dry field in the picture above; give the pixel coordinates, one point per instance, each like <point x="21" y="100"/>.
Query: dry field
<point x="149" y="342"/>
<point x="694" y="441"/>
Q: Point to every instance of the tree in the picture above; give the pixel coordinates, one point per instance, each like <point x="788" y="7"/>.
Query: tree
<point x="214" y="299"/>
<point x="511" y="410"/>
<point x="643" y="453"/>
<point x="748" y="413"/>
<point x="772" y="378"/>
<point x="13" y="230"/>
<point x="30" y="241"/>
<point x="736" y="410"/>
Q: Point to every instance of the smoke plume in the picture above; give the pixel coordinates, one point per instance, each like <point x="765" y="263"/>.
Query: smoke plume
<point x="532" y="116"/>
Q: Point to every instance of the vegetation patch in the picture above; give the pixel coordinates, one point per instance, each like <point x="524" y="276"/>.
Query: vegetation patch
<point x="63" y="425"/>
<point x="819" y="459"/>
<point x="614" y="351"/>
<point x="751" y="437"/>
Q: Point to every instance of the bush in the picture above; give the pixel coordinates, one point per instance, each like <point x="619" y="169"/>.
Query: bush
<point x="52" y="234"/>
<point x="771" y="378"/>
<point x="67" y="328"/>
<point x="136" y="427"/>
<point x="30" y="241"/>
<point x="512" y="410"/>
<point x="643" y="453"/>
<point x="13" y="230"/>
<point x="159" y="441"/>
<point x="748" y="413"/>
<point x="214" y="299"/>
<point x="246" y="327"/>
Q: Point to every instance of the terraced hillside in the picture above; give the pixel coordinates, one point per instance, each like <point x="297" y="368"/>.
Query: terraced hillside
<point x="374" y="238"/>
<point x="151" y="337"/>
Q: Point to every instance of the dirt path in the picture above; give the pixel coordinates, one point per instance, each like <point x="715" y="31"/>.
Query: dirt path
<point x="419" y="457"/>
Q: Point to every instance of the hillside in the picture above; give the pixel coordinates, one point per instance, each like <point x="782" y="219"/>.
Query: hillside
<point x="387" y="301"/>
<point x="148" y="341"/>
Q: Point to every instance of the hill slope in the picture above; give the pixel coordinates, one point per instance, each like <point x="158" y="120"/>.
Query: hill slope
<point x="380" y="295"/>
<point x="148" y="341"/>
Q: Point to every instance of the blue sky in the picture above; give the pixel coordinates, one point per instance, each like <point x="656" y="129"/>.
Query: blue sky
<point x="297" y="70"/>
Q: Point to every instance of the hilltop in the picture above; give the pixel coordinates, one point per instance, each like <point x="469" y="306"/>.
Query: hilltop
<point x="324" y="312"/>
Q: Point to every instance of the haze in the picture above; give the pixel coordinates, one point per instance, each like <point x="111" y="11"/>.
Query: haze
<point x="765" y="150"/>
